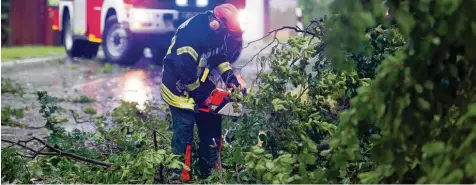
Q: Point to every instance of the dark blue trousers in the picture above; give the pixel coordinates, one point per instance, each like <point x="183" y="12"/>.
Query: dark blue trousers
<point x="209" y="132"/>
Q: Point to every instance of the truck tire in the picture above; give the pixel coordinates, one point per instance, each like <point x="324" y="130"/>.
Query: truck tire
<point x="118" y="44"/>
<point x="77" y="47"/>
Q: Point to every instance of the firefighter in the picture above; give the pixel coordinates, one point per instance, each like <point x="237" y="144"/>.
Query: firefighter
<point x="197" y="49"/>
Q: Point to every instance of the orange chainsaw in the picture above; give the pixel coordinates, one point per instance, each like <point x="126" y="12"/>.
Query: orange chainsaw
<point x="219" y="102"/>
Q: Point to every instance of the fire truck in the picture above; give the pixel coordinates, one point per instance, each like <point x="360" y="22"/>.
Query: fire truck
<point x="125" y="27"/>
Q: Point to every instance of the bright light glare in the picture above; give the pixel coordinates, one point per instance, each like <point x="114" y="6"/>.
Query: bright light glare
<point x="181" y="2"/>
<point x="242" y="17"/>
<point x="139" y="15"/>
<point x="135" y="88"/>
<point x="298" y="12"/>
<point x="202" y="3"/>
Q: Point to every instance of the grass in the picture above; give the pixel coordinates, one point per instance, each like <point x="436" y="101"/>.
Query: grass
<point x="83" y="99"/>
<point x="24" y="52"/>
<point x="107" y="68"/>
<point x="12" y="87"/>
<point x="9" y="113"/>
<point x="90" y="110"/>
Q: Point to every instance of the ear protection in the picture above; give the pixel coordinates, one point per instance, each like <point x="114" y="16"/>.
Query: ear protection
<point x="217" y="24"/>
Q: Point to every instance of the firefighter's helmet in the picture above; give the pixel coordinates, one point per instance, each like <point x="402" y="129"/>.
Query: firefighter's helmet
<point x="229" y="15"/>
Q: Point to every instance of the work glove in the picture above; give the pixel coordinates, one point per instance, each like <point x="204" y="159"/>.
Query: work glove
<point x="236" y="85"/>
<point x="230" y="79"/>
<point x="198" y="97"/>
<point x="233" y="83"/>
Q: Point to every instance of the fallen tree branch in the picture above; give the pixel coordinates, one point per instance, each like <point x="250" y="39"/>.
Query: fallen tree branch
<point x="259" y="52"/>
<point x="237" y="171"/>
<point x="56" y="152"/>
<point x="275" y="31"/>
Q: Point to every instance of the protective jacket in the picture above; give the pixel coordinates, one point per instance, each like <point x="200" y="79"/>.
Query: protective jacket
<point x="194" y="52"/>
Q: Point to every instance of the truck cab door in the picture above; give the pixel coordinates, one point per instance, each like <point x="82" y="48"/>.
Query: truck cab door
<point x="79" y="18"/>
<point x="93" y="17"/>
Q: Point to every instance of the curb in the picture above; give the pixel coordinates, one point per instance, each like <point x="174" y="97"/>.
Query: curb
<point x="31" y="60"/>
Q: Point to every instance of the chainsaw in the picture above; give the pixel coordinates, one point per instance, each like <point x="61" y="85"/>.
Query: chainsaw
<point x="219" y="102"/>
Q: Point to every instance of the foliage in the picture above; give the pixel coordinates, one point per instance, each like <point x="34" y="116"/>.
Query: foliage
<point x="12" y="87"/>
<point x="128" y="145"/>
<point x="382" y="103"/>
<point x="9" y="115"/>
<point x="422" y="99"/>
<point x="296" y="110"/>
<point x="383" y="43"/>
<point x="13" y="166"/>
<point x="47" y="108"/>
<point x="8" y="112"/>
<point x="6" y="30"/>
<point x="90" y="110"/>
<point x="5" y="9"/>
<point x="107" y="68"/>
<point x="83" y="99"/>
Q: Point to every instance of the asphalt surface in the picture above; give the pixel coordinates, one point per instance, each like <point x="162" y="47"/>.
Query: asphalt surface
<point x="69" y="78"/>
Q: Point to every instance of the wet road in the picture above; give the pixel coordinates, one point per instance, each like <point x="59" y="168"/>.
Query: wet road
<point x="68" y="78"/>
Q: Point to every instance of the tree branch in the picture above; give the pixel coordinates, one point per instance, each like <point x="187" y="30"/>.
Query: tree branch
<point x="275" y="31"/>
<point x="259" y="52"/>
<point x="56" y="151"/>
<point x="156" y="146"/>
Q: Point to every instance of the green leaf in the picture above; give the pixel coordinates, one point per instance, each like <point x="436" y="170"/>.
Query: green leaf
<point x="436" y="41"/>
<point x="453" y="70"/>
<point x="277" y="103"/>
<point x="405" y="21"/>
<point x="311" y="146"/>
<point x="433" y="148"/>
<point x="310" y="159"/>
<point x="163" y="152"/>
<point x="269" y="165"/>
<point x="429" y="85"/>
<point x="423" y="104"/>
<point x="258" y="150"/>
<point x="260" y="166"/>
<point x="418" y="88"/>
<point x="288" y="158"/>
<point x="268" y="176"/>
<point x="472" y="109"/>
<point x="454" y="177"/>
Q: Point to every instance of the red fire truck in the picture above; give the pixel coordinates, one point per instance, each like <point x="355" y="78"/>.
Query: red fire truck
<point x="125" y="27"/>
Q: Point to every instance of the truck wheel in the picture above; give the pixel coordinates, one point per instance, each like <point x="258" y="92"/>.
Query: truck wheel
<point x="118" y="44"/>
<point x="77" y="47"/>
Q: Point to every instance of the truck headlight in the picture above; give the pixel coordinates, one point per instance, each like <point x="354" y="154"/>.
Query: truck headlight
<point x="181" y="2"/>
<point x="242" y="18"/>
<point x="202" y="3"/>
<point x="139" y="16"/>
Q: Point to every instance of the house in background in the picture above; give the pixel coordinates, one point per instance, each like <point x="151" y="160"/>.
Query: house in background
<point x="27" y="22"/>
